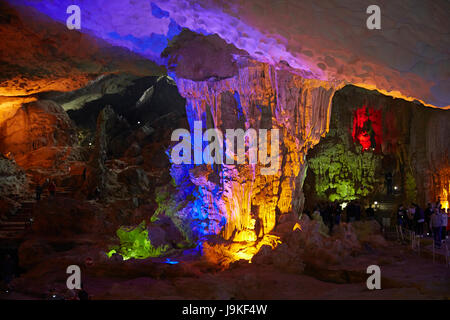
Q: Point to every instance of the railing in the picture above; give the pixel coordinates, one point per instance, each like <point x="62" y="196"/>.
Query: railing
<point x="447" y="253"/>
<point x="406" y="236"/>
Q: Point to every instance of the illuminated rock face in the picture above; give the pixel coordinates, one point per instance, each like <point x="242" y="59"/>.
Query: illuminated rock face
<point x="36" y="125"/>
<point x="437" y="157"/>
<point x="326" y="40"/>
<point x="258" y="97"/>
<point x="39" y="54"/>
<point x="406" y="139"/>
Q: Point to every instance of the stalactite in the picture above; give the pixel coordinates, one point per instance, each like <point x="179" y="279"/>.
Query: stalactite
<point x="266" y="98"/>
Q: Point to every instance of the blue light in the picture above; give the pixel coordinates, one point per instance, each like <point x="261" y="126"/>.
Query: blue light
<point x="157" y="12"/>
<point x="239" y="106"/>
<point x="169" y="261"/>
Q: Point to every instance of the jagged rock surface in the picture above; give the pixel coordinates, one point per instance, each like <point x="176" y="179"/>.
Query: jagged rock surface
<point x="412" y="144"/>
<point x="258" y="97"/>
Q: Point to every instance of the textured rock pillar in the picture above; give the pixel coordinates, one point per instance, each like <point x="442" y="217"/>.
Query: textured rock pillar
<point x="258" y="97"/>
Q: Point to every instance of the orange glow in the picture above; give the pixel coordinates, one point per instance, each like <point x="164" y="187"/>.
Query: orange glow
<point x="10" y="88"/>
<point x="226" y="253"/>
<point x="396" y="94"/>
<point x="246" y="251"/>
<point x="444" y="198"/>
<point x="10" y="105"/>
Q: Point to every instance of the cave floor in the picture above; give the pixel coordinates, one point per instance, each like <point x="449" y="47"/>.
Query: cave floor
<point x="404" y="274"/>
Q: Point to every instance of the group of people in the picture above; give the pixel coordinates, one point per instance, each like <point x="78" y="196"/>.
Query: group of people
<point x="434" y="218"/>
<point x="50" y="185"/>
<point x="332" y="212"/>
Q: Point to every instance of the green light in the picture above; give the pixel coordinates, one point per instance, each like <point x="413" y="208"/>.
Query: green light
<point x="341" y="173"/>
<point x="134" y="243"/>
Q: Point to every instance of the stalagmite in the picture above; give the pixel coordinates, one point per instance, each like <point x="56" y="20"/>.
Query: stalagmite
<point x="258" y="97"/>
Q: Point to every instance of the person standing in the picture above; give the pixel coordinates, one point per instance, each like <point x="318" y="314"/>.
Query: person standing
<point x="370" y="213"/>
<point x="436" y="225"/>
<point x="39" y="191"/>
<point x="428" y="213"/>
<point x="52" y="188"/>
<point x="444" y="218"/>
<point x="410" y="217"/>
<point x="419" y="220"/>
<point x="448" y="224"/>
<point x="400" y="216"/>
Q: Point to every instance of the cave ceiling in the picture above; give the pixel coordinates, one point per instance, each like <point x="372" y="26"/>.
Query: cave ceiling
<point x="326" y="40"/>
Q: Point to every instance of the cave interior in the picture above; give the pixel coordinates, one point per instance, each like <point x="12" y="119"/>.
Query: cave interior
<point x="332" y="116"/>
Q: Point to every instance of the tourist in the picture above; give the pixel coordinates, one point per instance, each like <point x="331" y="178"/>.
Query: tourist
<point x="370" y="213"/>
<point x="444" y="218"/>
<point x="448" y="224"/>
<point x="401" y="216"/>
<point x="39" y="191"/>
<point x="337" y="212"/>
<point x="428" y="212"/>
<point x="419" y="220"/>
<point x="410" y="217"/>
<point x="436" y="224"/>
<point x="52" y="188"/>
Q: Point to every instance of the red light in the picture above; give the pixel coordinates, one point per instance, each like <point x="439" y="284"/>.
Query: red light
<point x="367" y="128"/>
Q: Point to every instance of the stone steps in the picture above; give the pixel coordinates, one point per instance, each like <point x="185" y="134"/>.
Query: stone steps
<point x="16" y="225"/>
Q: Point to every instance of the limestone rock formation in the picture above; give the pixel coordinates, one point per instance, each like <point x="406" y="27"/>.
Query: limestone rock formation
<point x="39" y="54"/>
<point x="13" y="180"/>
<point x="262" y="98"/>
<point x="36" y="125"/>
<point x="404" y="138"/>
<point x="198" y="58"/>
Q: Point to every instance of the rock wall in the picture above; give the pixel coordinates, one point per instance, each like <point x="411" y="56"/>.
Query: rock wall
<point x="404" y="138"/>
<point x="258" y="97"/>
<point x="13" y="181"/>
<point x="36" y="125"/>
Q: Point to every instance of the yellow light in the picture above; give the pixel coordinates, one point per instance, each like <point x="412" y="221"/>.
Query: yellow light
<point x="444" y="204"/>
<point x="297" y="226"/>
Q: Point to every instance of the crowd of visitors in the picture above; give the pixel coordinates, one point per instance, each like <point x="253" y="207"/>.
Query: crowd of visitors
<point x="433" y="221"/>
<point x="333" y="213"/>
<point x="49" y="185"/>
